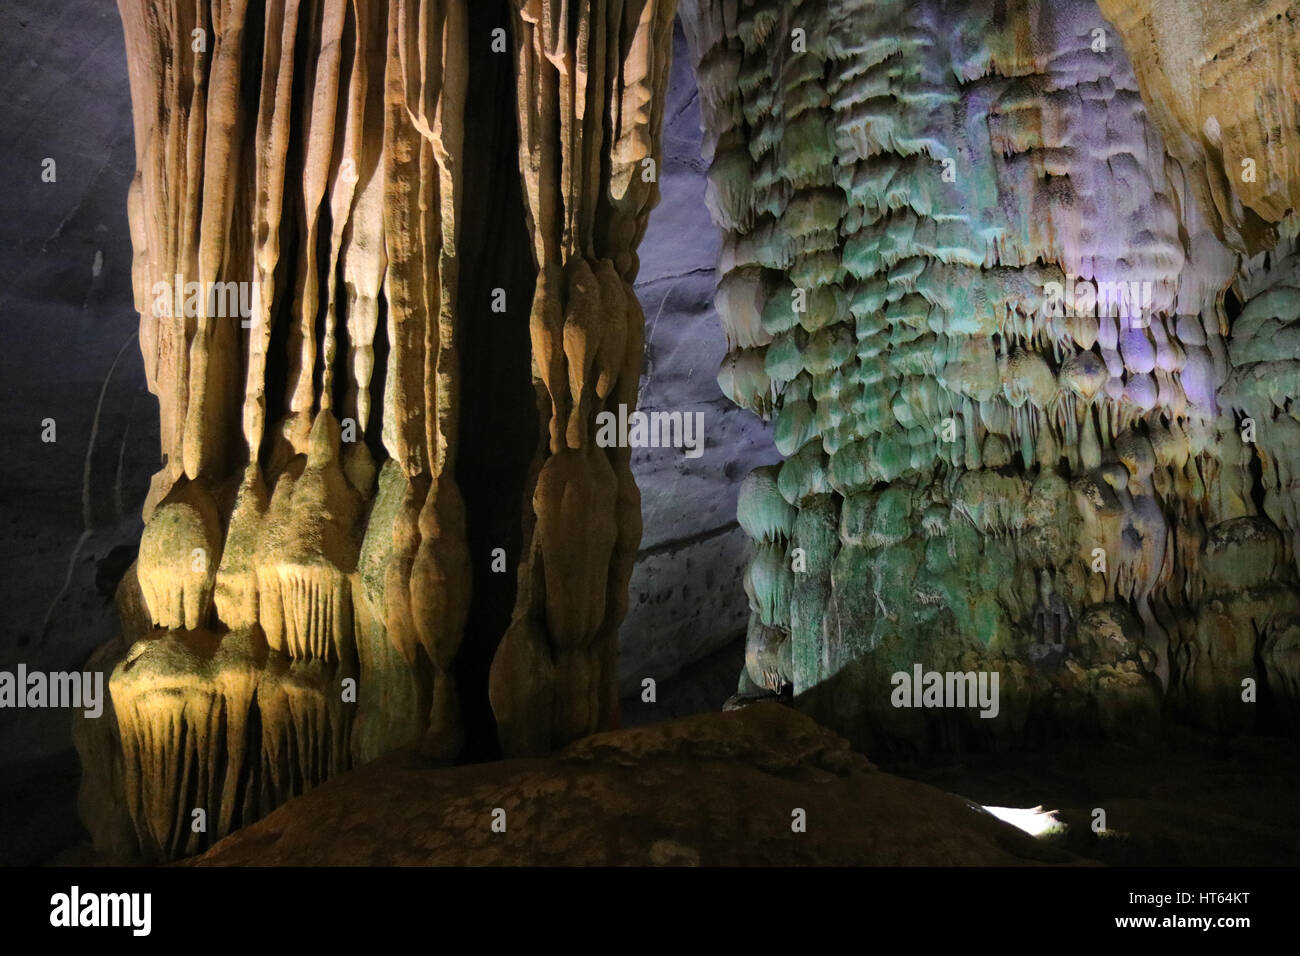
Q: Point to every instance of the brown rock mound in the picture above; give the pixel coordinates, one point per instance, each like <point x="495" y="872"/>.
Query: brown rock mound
<point x="713" y="790"/>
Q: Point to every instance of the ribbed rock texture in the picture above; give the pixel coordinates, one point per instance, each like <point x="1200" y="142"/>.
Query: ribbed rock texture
<point x="304" y="580"/>
<point x="1220" y="81"/>
<point x="994" y="321"/>
<point x="591" y="93"/>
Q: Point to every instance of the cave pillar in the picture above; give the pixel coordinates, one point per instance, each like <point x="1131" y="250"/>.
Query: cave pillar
<point x="303" y="571"/>
<point x="1000" y="358"/>
<point x="591" y="85"/>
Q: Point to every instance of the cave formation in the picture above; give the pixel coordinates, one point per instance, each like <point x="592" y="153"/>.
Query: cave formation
<point x="1015" y="412"/>
<point x="1020" y="300"/>
<point x="308" y="531"/>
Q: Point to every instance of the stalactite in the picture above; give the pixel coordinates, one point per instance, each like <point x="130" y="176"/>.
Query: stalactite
<point x="976" y="283"/>
<point x="303" y="587"/>
<point x="340" y="123"/>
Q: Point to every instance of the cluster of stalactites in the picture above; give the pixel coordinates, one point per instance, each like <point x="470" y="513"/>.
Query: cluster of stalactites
<point x="280" y="599"/>
<point x="876" y="295"/>
<point x="956" y="263"/>
<point x="591" y="87"/>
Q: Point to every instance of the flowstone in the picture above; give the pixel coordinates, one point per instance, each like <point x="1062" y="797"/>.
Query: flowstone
<point x="989" y="313"/>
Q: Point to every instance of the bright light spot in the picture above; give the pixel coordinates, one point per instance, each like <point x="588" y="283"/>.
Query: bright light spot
<point x="1035" y="821"/>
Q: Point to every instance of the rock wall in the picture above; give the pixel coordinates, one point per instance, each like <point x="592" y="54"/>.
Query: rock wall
<point x="685" y="599"/>
<point x="992" y="319"/>
<point x="79" y="429"/>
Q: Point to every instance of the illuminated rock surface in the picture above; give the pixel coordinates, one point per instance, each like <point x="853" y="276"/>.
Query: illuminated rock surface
<point x="994" y="330"/>
<point x="1220" y="81"/>
<point x="311" y="299"/>
<point x="1016" y="287"/>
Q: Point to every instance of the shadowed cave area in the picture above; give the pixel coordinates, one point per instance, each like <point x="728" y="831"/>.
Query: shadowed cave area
<point x="705" y="433"/>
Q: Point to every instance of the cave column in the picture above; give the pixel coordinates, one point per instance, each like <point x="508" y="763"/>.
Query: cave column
<point x="591" y="84"/>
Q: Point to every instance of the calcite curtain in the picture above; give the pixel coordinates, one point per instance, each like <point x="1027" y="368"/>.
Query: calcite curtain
<point x="994" y="320"/>
<point x="301" y="592"/>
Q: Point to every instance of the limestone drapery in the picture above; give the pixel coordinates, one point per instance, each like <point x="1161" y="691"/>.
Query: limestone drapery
<point x="591" y="80"/>
<point x="295" y="607"/>
<point x="988" y="314"/>
<point x="1219" y="79"/>
<point x="302" y="592"/>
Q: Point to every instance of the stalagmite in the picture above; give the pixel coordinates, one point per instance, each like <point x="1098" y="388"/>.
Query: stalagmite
<point x="183" y="703"/>
<point x="590" y="97"/>
<point x="351" y="114"/>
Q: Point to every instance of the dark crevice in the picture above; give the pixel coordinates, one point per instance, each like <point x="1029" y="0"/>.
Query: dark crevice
<point x="678" y="543"/>
<point x="498" y="417"/>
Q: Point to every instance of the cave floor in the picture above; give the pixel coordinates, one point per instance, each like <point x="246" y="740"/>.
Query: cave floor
<point x="1198" y="800"/>
<point x="704" y="789"/>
